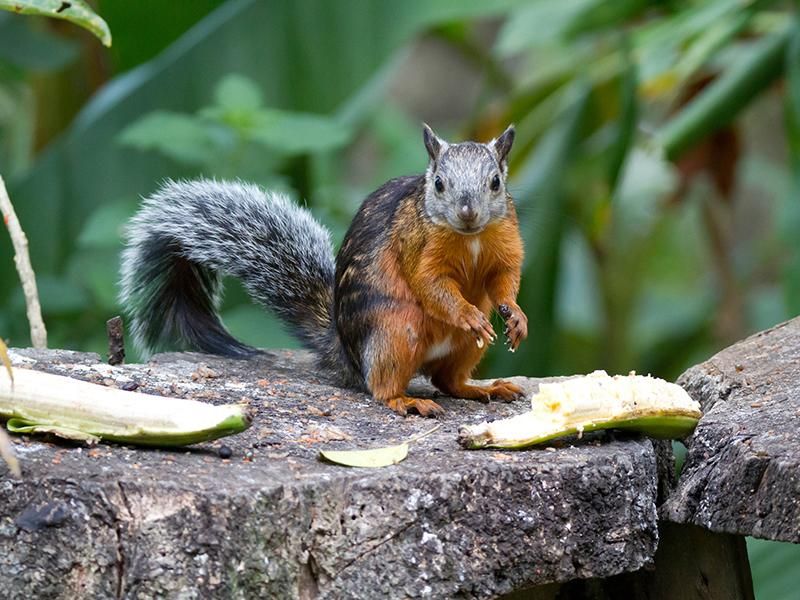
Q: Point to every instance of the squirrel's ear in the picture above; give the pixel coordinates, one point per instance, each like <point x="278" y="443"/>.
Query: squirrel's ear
<point x="502" y="145"/>
<point x="433" y="143"/>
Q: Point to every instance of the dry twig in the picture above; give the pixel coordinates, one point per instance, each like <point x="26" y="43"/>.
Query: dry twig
<point x="23" y="262"/>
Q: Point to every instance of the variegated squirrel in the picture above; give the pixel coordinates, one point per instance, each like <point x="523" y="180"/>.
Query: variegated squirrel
<point x="424" y="262"/>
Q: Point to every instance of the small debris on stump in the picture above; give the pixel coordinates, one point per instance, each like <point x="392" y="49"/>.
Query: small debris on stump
<point x="116" y="341"/>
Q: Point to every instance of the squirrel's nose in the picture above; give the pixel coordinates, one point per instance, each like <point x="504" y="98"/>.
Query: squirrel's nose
<point x="467" y="213"/>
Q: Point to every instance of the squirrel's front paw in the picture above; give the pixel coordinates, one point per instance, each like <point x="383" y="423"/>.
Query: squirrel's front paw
<point x="475" y="321"/>
<point x="516" y="324"/>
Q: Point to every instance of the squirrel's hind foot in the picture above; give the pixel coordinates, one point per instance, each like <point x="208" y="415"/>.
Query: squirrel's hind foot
<point x="506" y="391"/>
<point x="426" y="408"/>
<point x="501" y="390"/>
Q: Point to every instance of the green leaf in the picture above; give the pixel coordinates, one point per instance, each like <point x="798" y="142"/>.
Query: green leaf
<point x="683" y="25"/>
<point x="297" y="133"/>
<point x="709" y="42"/>
<point x="184" y="138"/>
<point x="671" y="49"/>
<point x="524" y="28"/>
<point x="237" y="92"/>
<point x="721" y="102"/>
<point x="74" y="11"/>
<point x="565" y="19"/>
<point x="376" y="457"/>
<point x="601" y="15"/>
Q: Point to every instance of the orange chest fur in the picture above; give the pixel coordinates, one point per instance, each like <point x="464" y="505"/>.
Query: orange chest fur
<point x="469" y="260"/>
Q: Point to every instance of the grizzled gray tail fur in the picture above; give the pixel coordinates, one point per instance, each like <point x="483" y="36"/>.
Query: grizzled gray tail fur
<point x="190" y="233"/>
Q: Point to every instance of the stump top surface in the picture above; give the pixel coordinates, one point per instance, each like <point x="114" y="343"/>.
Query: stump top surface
<point x="274" y="519"/>
<point x="742" y="471"/>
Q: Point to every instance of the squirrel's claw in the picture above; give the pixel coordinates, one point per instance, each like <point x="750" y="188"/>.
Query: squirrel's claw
<point x="516" y="328"/>
<point x="476" y="322"/>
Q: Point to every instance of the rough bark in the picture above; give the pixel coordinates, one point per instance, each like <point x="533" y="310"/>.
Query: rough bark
<point x="274" y="521"/>
<point x="742" y="471"/>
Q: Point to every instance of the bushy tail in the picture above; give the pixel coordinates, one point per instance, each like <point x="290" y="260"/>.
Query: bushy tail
<point x="189" y="233"/>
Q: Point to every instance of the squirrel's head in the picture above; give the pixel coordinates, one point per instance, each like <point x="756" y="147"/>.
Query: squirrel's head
<point x="465" y="184"/>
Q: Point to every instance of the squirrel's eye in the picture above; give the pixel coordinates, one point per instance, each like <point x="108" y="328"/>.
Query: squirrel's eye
<point x="495" y="183"/>
<point x="437" y="183"/>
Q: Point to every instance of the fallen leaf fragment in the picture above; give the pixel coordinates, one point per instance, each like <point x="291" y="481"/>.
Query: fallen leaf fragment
<point x="375" y="457"/>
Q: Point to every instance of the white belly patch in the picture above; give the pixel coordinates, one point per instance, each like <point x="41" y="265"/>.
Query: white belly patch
<point x="475" y="249"/>
<point x="439" y="350"/>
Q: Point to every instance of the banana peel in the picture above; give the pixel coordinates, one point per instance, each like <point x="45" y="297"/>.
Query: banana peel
<point x="647" y="405"/>
<point x="36" y="402"/>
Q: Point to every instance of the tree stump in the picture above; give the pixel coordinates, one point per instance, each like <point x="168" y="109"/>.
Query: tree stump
<point x="274" y="521"/>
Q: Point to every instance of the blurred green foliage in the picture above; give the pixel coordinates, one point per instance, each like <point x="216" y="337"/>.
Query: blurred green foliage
<point x="656" y="168"/>
<point x="774" y="566"/>
<point x="236" y="136"/>
<point x="632" y="169"/>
